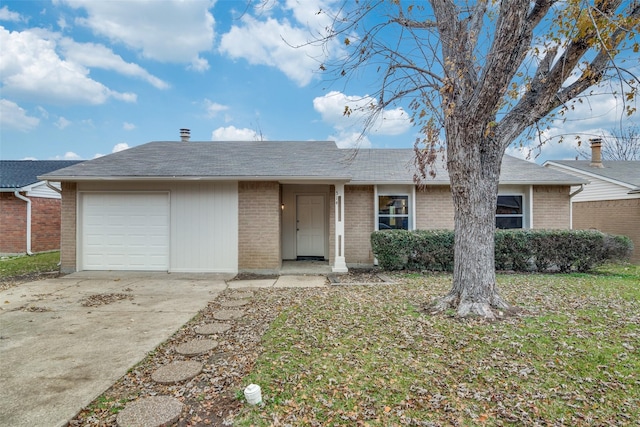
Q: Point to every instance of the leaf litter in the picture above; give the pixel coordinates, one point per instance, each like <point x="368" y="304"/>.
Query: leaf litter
<point x="367" y="355"/>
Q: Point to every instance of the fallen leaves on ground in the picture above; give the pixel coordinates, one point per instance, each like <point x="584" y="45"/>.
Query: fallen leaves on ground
<point x="97" y="300"/>
<point x="368" y="355"/>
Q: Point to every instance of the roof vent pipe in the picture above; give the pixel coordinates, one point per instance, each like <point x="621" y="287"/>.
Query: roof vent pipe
<point x="185" y="134"/>
<point x="596" y="153"/>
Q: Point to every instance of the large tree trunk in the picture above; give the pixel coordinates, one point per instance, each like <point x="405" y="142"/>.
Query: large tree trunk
<point x="474" y="170"/>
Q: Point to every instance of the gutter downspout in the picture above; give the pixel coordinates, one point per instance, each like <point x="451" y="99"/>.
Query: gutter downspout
<point x="571" y="205"/>
<point x="57" y="190"/>
<point x="26" y="199"/>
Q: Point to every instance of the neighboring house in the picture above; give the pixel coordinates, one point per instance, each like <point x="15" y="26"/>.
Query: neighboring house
<point x="29" y="209"/>
<point x="610" y="202"/>
<point x="247" y="206"/>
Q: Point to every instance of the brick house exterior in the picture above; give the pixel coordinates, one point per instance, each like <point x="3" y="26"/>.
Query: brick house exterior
<point x="610" y="202"/>
<point x="249" y="206"/>
<point x="29" y="210"/>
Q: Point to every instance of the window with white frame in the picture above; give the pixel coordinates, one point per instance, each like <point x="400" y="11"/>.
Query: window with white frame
<point x="393" y="212"/>
<point x="510" y="212"/>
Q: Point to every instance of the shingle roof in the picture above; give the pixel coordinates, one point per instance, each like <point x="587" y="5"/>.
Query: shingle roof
<point x="396" y="166"/>
<point x="627" y="172"/>
<point x="20" y="173"/>
<point x="232" y="160"/>
<point x="282" y="160"/>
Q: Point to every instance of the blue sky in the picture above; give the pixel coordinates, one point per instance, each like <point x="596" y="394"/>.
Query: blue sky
<point x="84" y="78"/>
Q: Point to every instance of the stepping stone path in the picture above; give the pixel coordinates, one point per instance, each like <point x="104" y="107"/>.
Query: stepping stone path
<point x="150" y="411"/>
<point x="157" y="411"/>
<point x="195" y="347"/>
<point x="212" y="328"/>
<point x="228" y="314"/>
<point x="241" y="295"/>
<point x="235" y="303"/>
<point x="177" y="372"/>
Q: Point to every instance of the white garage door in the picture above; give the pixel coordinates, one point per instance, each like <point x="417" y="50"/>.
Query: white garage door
<point x="125" y="231"/>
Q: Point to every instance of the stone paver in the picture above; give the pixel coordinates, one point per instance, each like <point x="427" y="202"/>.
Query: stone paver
<point x="228" y="314"/>
<point x="212" y="328"/>
<point x="194" y="347"/>
<point x="254" y="283"/>
<point x="301" y="282"/>
<point x="241" y="295"/>
<point x="235" y="303"/>
<point x="176" y="372"/>
<point x="154" y="411"/>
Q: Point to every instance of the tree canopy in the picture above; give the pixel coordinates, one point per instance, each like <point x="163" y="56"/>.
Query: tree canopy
<point x="484" y="72"/>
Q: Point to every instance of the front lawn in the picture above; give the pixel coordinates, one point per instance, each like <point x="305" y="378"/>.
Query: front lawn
<point x="367" y="355"/>
<point x="25" y="265"/>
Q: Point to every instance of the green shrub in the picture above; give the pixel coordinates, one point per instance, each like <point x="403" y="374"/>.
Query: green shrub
<point x="518" y="250"/>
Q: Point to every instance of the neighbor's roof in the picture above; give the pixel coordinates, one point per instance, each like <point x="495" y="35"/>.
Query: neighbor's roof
<point x="624" y="172"/>
<point x="397" y="166"/>
<point x="282" y="161"/>
<point x="15" y="174"/>
<point x="241" y="160"/>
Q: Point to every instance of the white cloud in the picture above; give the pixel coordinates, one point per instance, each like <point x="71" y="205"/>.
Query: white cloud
<point x="213" y="108"/>
<point x="14" y="117"/>
<point x="169" y="31"/>
<point x="62" y="123"/>
<point x="345" y="139"/>
<point x="199" y="64"/>
<point x="333" y="105"/>
<point x="99" y="56"/>
<point x="69" y="155"/>
<point x="289" y="43"/>
<point x="120" y="147"/>
<point x="31" y="68"/>
<point x="562" y="139"/>
<point x="7" y="15"/>
<point x="231" y="133"/>
<point x="128" y="126"/>
<point x="261" y="43"/>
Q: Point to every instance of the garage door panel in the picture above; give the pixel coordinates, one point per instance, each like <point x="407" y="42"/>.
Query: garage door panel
<point x="125" y="231"/>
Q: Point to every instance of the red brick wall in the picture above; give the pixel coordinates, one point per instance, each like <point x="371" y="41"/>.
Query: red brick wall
<point x="259" y="226"/>
<point x="611" y="216"/>
<point x="13" y="224"/>
<point x="45" y="224"/>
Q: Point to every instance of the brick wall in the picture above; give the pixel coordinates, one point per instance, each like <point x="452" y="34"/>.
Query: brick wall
<point x="45" y="224"/>
<point x="13" y="224"/>
<point x="611" y="216"/>
<point x="551" y="207"/>
<point x="259" y="226"/>
<point x="434" y="208"/>
<point x="68" y="228"/>
<point x="358" y="223"/>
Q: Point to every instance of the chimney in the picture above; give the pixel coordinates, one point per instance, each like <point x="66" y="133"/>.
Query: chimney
<point x="596" y="153"/>
<point x="185" y="134"/>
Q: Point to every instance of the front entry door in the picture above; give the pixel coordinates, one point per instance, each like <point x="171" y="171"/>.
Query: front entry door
<point x="310" y="226"/>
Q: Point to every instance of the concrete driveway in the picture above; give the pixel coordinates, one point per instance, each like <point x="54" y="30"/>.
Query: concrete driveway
<point x="65" y="341"/>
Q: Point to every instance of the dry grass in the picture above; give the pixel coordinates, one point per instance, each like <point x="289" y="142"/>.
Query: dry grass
<point x="367" y="355"/>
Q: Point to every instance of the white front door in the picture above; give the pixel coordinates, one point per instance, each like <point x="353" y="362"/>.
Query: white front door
<point x="310" y="226"/>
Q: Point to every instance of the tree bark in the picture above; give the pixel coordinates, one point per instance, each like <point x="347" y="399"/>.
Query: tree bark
<point x="474" y="170"/>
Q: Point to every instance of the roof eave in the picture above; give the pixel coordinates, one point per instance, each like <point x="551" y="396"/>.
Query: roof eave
<point x="591" y="174"/>
<point x="278" y="178"/>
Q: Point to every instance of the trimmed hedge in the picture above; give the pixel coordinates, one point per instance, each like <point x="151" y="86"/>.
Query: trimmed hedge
<point x="518" y="250"/>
